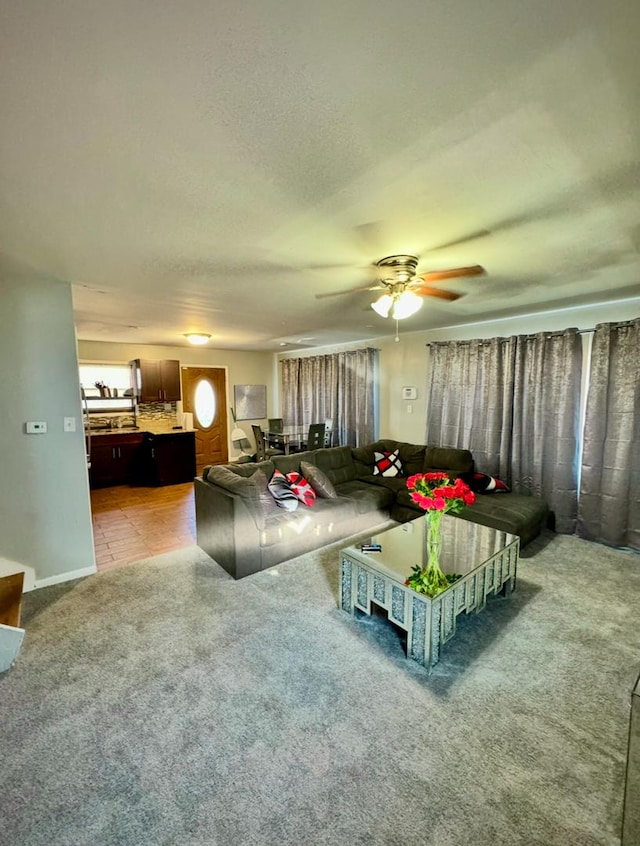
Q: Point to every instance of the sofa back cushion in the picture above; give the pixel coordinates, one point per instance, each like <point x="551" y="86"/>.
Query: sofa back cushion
<point x="251" y="489"/>
<point x="454" y="462"/>
<point x="411" y="456"/>
<point x="336" y="463"/>
<point x="250" y="468"/>
<point x="291" y="463"/>
<point x="364" y="457"/>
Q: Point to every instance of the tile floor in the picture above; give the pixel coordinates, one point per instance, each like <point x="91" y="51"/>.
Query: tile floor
<point x="130" y="524"/>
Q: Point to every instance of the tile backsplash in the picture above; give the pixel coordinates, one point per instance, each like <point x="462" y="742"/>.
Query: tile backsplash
<point x="144" y="416"/>
<point x="155" y="412"/>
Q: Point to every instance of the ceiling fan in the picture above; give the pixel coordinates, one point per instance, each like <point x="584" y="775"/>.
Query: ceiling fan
<point x="403" y="288"/>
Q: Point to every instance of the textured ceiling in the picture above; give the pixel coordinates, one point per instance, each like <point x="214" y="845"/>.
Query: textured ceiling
<point x="192" y="167"/>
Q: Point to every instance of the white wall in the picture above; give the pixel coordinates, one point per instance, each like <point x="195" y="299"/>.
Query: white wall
<point x="405" y="363"/>
<point x="243" y="368"/>
<point x="45" y="515"/>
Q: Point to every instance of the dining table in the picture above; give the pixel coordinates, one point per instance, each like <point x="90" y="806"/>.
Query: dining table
<point x="289" y="439"/>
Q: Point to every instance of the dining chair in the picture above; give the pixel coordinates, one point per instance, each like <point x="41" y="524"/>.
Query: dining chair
<point x="262" y="450"/>
<point x="328" y="431"/>
<point x="316" y="436"/>
<point x="275" y="427"/>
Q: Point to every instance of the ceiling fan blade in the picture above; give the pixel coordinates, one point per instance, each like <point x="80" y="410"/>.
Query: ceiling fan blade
<point x="459" y="242"/>
<point x="453" y="273"/>
<point x="426" y="291"/>
<point x="350" y="291"/>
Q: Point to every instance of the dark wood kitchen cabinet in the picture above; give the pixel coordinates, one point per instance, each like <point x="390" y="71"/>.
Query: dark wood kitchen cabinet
<point x="156" y="381"/>
<point x="169" y="459"/>
<point x="114" y="458"/>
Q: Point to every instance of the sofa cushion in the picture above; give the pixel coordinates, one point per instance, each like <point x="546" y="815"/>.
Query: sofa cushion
<point x="291" y="463"/>
<point x="390" y="483"/>
<point x="325" y="514"/>
<point x="367" y="498"/>
<point x="364" y="457"/>
<point x="251" y="489"/>
<point x="411" y="456"/>
<point x="336" y="463"/>
<point x="284" y="528"/>
<point x="280" y="490"/>
<point x="455" y="462"/>
<point x="318" y="480"/>
<point x="519" y="514"/>
<point x="244" y="469"/>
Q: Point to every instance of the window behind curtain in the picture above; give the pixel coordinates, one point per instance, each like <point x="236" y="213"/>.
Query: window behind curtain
<point x="609" y="508"/>
<point x="341" y="387"/>
<point x="514" y="402"/>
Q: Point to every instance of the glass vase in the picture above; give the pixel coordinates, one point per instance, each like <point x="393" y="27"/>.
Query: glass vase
<point x="434" y="538"/>
<point x="434" y="578"/>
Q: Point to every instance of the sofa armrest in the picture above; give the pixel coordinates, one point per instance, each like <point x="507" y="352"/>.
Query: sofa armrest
<point x="226" y="530"/>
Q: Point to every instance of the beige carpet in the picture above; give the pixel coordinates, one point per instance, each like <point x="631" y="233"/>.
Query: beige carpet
<point x="166" y="704"/>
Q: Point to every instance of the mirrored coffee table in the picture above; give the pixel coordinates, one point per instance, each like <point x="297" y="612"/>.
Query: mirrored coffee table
<point x="485" y="559"/>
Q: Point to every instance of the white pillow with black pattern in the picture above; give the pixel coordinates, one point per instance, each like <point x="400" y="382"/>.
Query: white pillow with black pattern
<point x="281" y="491"/>
<point x="387" y="464"/>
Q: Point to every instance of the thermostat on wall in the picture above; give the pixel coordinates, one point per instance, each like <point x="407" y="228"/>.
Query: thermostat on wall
<point x="409" y="393"/>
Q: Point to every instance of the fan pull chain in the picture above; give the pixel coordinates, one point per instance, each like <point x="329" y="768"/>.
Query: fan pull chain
<point x="397" y="337"/>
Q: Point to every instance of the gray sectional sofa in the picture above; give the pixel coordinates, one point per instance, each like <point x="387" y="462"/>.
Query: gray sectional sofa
<point x="240" y="526"/>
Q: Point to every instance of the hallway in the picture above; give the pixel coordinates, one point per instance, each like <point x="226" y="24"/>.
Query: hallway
<point x="130" y="524"/>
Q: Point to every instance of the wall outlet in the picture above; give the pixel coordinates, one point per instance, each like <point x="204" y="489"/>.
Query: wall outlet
<point x="36" y="427"/>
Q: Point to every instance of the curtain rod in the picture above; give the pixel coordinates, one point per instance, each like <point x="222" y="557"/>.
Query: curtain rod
<point x="556" y="334"/>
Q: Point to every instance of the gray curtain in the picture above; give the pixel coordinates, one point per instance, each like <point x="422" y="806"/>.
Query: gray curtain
<point x="470" y="400"/>
<point x="609" y="509"/>
<point x="546" y="421"/>
<point x="514" y="402"/>
<point x="340" y="387"/>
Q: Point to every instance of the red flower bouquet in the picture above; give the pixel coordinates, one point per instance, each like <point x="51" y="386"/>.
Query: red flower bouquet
<point x="436" y="494"/>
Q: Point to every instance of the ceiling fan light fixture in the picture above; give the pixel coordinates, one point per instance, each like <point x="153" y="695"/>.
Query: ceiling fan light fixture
<point x="197" y="338"/>
<point x="405" y="305"/>
<point x="382" y="306"/>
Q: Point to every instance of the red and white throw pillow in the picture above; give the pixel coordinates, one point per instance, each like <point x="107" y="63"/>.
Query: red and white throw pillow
<point x="301" y="488"/>
<point x="483" y="483"/>
<point x="280" y="490"/>
<point x="387" y="464"/>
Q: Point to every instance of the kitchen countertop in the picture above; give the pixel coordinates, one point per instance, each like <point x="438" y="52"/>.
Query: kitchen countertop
<point x="145" y="429"/>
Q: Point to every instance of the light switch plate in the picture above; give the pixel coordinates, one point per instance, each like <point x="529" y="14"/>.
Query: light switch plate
<point x="36" y="427"/>
<point x="69" y="424"/>
<point x="409" y="393"/>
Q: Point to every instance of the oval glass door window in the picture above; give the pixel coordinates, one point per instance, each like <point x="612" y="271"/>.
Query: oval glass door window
<point x="204" y="401"/>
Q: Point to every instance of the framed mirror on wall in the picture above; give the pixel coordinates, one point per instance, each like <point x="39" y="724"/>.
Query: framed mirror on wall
<point x="250" y="402"/>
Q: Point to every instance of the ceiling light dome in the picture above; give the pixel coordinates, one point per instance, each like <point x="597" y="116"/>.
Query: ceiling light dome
<point x="400" y="304"/>
<point x="383" y="305"/>
<point x="197" y="338"/>
<point x="406" y="304"/>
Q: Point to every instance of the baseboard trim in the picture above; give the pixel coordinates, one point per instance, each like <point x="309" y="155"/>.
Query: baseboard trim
<point x="65" y="577"/>
<point x="8" y="568"/>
